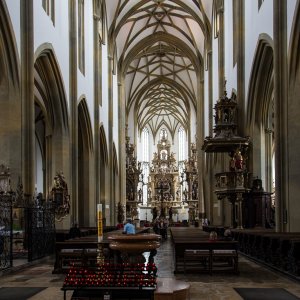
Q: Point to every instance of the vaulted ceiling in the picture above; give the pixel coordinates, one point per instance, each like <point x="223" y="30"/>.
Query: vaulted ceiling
<point x="160" y="46"/>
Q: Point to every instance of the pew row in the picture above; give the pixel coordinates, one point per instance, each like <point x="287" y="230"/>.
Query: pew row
<point x="279" y="250"/>
<point x="193" y="251"/>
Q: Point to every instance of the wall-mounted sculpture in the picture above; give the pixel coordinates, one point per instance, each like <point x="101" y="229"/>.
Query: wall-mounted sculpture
<point x="60" y="197"/>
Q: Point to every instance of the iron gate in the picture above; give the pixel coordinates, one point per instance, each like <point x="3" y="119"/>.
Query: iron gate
<point x="40" y="231"/>
<point x="5" y="231"/>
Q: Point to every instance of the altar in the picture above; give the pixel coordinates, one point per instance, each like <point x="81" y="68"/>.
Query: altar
<point x="164" y="189"/>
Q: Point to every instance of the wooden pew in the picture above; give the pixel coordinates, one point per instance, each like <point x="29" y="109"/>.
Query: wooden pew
<point x="194" y="245"/>
<point x="276" y="249"/>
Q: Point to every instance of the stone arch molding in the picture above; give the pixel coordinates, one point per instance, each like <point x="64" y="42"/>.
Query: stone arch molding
<point x="50" y="96"/>
<point x="294" y="53"/>
<point x="85" y="122"/>
<point x="85" y="158"/>
<point x="261" y="77"/>
<point x="9" y="58"/>
<point x="10" y="103"/>
<point x="49" y="88"/>
<point x="260" y="120"/>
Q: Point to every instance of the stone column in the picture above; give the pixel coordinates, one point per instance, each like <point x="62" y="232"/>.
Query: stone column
<point x="221" y="50"/>
<point x="97" y="99"/>
<point x="122" y="144"/>
<point x="268" y="143"/>
<point x="73" y="109"/>
<point x="211" y="180"/>
<point x="110" y="140"/>
<point x="280" y="104"/>
<point x="27" y="96"/>
<point x="200" y="137"/>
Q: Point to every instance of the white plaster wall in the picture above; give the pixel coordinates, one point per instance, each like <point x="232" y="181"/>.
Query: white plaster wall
<point x="130" y="122"/>
<point x="256" y="22"/>
<point x="13" y="7"/>
<point x="85" y="82"/>
<point x="58" y="35"/>
<point x="104" y="107"/>
<point x="230" y="69"/>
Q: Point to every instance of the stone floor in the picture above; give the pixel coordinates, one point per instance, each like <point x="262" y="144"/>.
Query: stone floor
<point x="203" y="286"/>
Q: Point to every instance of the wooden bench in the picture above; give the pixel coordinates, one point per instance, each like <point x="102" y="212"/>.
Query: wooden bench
<point x="276" y="249"/>
<point x="194" y="246"/>
<point x="195" y="259"/>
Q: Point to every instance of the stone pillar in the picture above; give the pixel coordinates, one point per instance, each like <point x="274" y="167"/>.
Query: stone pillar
<point x="280" y="104"/>
<point x="211" y="180"/>
<point x="122" y="145"/>
<point x="221" y="50"/>
<point x="110" y="140"/>
<point x="27" y="96"/>
<point x="268" y="143"/>
<point x="97" y="98"/>
<point x="200" y="154"/>
<point x="73" y="109"/>
<point x="241" y="65"/>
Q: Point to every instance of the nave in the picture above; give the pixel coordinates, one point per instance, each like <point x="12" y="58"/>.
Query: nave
<point x="219" y="286"/>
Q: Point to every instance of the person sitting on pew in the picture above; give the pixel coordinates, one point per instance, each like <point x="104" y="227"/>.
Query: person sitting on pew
<point x="74" y="231"/>
<point x="120" y="226"/>
<point x="129" y="228"/>
<point x="227" y="235"/>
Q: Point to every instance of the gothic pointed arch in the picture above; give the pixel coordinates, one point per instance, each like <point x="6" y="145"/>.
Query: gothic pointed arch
<point x="49" y="88"/>
<point x="10" y="104"/>
<point x="293" y="125"/>
<point x="9" y="58"/>
<point x="294" y="54"/>
<point x="85" y="168"/>
<point x="51" y="116"/>
<point x="103" y="166"/>
<point x="103" y="146"/>
<point x="260" y="122"/>
<point x="115" y="160"/>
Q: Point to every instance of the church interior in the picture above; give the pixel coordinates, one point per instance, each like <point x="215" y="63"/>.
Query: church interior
<point x="178" y="116"/>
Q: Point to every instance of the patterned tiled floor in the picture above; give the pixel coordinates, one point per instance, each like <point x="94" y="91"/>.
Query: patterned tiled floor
<point x="203" y="286"/>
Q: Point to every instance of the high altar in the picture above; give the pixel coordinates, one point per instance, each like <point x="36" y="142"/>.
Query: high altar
<point x="164" y="186"/>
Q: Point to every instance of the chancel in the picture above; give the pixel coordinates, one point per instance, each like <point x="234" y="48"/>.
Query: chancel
<point x="180" y="115"/>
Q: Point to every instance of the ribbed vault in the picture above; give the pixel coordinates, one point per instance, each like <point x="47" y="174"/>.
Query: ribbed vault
<point x="160" y="46"/>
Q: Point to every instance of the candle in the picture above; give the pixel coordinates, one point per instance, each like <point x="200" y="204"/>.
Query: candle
<point x="100" y="225"/>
